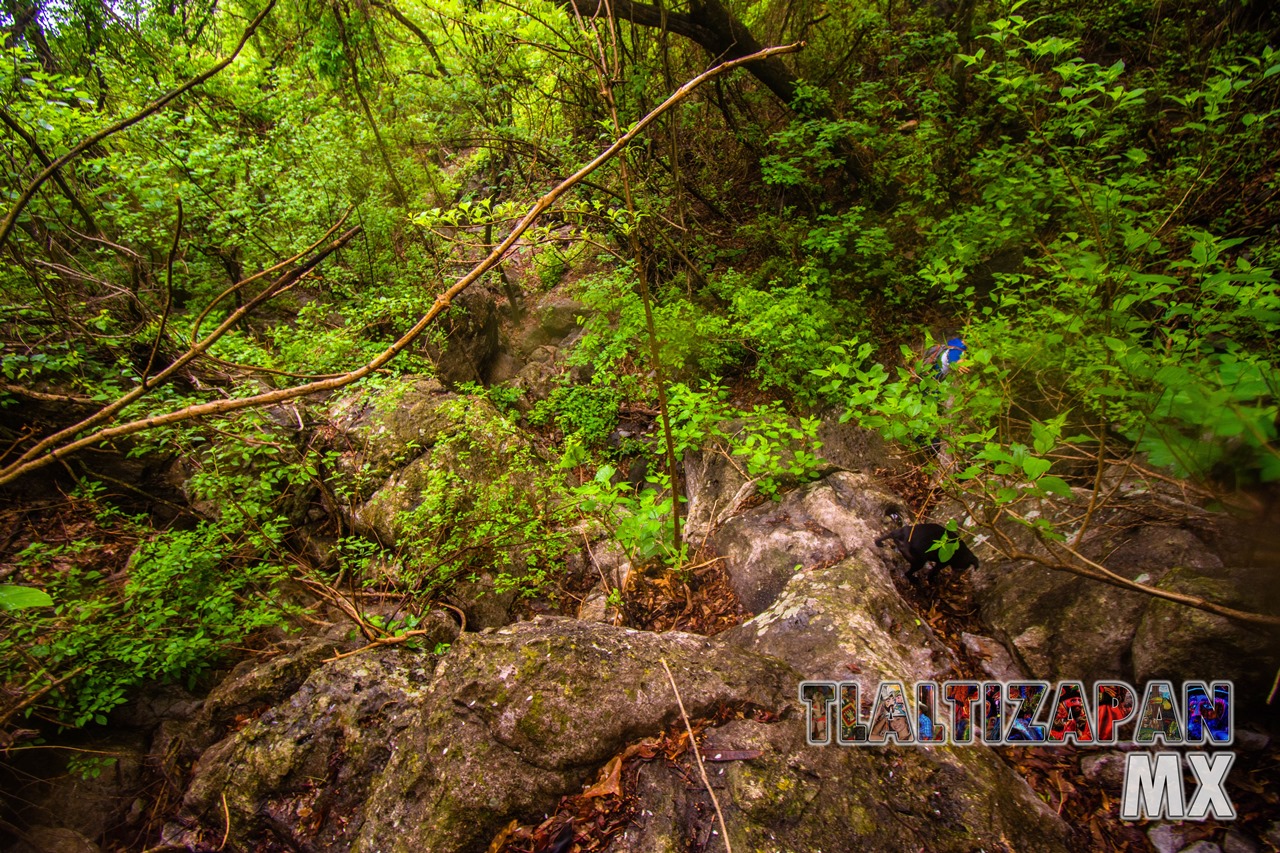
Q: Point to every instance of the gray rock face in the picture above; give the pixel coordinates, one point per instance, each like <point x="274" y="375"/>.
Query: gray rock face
<point x="841" y="620"/>
<point x="553" y="320"/>
<point x="812" y="526"/>
<point x="382" y="751"/>
<point x="471" y="338"/>
<point x="716" y="486"/>
<point x="1061" y="626"/>
<point x="300" y="773"/>
<point x="798" y="799"/>
<point x="853" y="448"/>
<point x="995" y="660"/>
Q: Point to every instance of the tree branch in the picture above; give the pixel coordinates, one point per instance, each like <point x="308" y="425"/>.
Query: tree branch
<point x="155" y="106"/>
<point x="34" y="145"/>
<point x="46" y="452"/>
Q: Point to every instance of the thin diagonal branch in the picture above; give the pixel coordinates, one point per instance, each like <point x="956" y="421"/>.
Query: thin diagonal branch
<point x="49" y="450"/>
<point x="155" y="106"/>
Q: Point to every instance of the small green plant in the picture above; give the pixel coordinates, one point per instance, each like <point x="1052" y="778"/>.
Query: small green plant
<point x="587" y="413"/>
<point x="551" y="265"/>
<point x="775" y="449"/>
<point x="640" y="523"/>
<point x="86" y="767"/>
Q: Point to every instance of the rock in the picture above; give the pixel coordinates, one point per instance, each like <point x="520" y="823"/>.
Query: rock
<point x="1238" y="842"/>
<point x="153" y="706"/>
<point x="67" y="805"/>
<point x="46" y="839"/>
<point x="840" y="617"/>
<point x="853" y="448"/>
<point x="1106" y="767"/>
<point x="609" y="562"/>
<point x="812" y="526"/>
<point x="1060" y="626"/>
<point x="469" y="453"/>
<point x="377" y="752"/>
<point x="483" y="604"/>
<point x="504" y="368"/>
<point x="846" y="622"/>
<point x="1166" y="838"/>
<point x="299" y="773"/>
<point x="548" y="324"/>
<point x="471" y="338"/>
<point x="508" y="725"/>
<point x="995" y="660"/>
<point x="716" y="486"/>
<point x="1181" y="643"/>
<point x="798" y="798"/>
<point x="538" y="378"/>
<point x="379" y="429"/>
<point x="1202" y="847"/>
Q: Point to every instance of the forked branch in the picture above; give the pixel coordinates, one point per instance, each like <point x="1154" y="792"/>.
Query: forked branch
<point x="59" y="445"/>
<point x="155" y="106"/>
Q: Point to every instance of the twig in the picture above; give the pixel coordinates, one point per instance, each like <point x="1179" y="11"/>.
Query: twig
<point x="724" y="832"/>
<point x="168" y="295"/>
<point x="48" y="398"/>
<point x="45" y="452"/>
<point x="382" y="641"/>
<point x="226" y="813"/>
<point x="461" y="615"/>
<point x="34" y="697"/>
<point x="155" y="106"/>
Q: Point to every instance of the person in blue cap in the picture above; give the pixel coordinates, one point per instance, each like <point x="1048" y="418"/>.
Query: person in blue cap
<point x="942" y="356"/>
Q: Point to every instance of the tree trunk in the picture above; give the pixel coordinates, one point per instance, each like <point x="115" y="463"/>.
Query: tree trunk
<point x="707" y="23"/>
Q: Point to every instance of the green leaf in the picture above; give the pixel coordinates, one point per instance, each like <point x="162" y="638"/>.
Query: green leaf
<point x="1054" y="485"/>
<point x="1035" y="467"/>
<point x="14" y="597"/>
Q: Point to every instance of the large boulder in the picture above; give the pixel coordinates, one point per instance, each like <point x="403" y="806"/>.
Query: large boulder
<point x="412" y="442"/>
<point x="377" y="429"/>
<point x="852" y="448"/>
<point x="1061" y="626"/>
<point x="825" y="593"/>
<point x="815" y="525"/>
<point x="795" y="798"/>
<point x="391" y="751"/>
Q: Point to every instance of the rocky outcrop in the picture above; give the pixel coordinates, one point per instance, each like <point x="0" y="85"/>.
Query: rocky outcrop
<point x="470" y="345"/>
<point x="412" y="441"/>
<point x="395" y="749"/>
<point x="392" y="750"/>
<point x="1061" y="626"/>
<point x="813" y="526"/>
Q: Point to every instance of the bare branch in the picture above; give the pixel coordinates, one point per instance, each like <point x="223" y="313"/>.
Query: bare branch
<point x="155" y="106"/>
<point x="50" y="443"/>
<point x="49" y="450"/>
<point x="168" y="296"/>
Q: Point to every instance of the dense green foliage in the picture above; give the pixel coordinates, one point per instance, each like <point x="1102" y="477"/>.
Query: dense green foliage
<point x="1089" y="195"/>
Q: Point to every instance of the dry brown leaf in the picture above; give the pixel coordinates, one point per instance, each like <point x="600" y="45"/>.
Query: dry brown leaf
<point x="610" y="784"/>
<point x="502" y="837"/>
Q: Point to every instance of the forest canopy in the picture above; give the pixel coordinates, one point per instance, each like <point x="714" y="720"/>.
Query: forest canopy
<point x="211" y="201"/>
